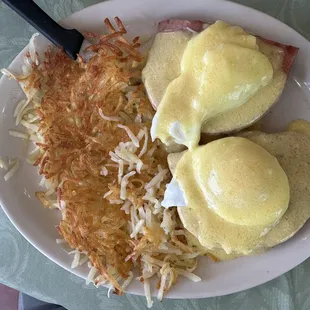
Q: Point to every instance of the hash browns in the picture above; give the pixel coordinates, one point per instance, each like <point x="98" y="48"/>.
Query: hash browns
<point x="95" y="153"/>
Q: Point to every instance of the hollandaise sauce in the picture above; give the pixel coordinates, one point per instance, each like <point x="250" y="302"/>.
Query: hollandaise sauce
<point x="300" y="126"/>
<point x="235" y="192"/>
<point x="219" y="254"/>
<point x="221" y="68"/>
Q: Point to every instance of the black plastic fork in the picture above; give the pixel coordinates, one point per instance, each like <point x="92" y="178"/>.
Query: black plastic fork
<point x="69" y="39"/>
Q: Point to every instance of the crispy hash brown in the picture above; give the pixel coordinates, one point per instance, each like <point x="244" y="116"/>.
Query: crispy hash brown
<point x="90" y="123"/>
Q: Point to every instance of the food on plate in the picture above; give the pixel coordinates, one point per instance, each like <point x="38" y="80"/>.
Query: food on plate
<point x="221" y="79"/>
<point x="90" y="125"/>
<point x="242" y="195"/>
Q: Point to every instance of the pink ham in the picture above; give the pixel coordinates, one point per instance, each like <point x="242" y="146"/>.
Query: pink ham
<point x="290" y="53"/>
<point x="171" y="25"/>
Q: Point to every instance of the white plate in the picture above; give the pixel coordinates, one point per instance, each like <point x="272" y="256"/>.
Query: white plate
<point x="38" y="224"/>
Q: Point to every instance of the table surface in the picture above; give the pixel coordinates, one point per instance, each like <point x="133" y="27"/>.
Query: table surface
<point x="24" y="268"/>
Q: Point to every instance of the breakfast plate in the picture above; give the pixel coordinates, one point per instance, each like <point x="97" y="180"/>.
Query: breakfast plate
<point x="38" y="224"/>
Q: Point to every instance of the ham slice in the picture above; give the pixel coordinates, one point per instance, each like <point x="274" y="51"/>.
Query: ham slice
<point x="180" y="24"/>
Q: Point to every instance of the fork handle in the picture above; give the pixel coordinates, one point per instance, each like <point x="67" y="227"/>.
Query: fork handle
<point x="69" y="39"/>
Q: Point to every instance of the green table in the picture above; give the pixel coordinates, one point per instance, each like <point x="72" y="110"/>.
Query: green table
<point x="24" y="268"/>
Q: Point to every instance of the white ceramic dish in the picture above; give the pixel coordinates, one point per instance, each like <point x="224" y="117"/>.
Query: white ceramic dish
<point x="38" y="224"/>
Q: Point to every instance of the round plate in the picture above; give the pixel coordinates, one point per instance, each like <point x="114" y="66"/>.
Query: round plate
<point x="38" y="224"/>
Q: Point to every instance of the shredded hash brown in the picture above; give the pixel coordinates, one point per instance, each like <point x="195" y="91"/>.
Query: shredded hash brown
<point x="95" y="152"/>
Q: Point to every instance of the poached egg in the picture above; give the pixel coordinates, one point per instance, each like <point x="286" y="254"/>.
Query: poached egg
<point x="234" y="191"/>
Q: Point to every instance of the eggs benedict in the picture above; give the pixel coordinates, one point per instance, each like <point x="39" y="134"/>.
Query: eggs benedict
<point x="179" y="75"/>
<point x="225" y="191"/>
<point x="221" y="68"/>
<point x="232" y="185"/>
